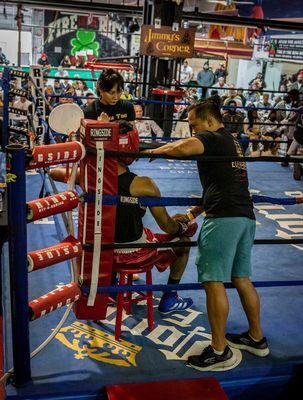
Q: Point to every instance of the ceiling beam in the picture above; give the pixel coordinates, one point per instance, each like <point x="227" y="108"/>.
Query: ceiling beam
<point x="80" y="6"/>
<point x="101" y="8"/>
<point x="243" y="21"/>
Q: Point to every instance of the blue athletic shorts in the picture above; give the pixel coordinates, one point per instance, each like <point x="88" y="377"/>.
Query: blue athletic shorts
<point x="224" y="249"/>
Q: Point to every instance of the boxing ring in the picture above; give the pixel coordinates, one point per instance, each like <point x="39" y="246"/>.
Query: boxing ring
<point x="83" y="356"/>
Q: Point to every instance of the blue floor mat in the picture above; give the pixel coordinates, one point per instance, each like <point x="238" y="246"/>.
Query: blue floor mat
<point x="83" y="358"/>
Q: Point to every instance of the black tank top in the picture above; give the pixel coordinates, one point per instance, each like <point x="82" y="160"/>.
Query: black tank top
<point x="129" y="226"/>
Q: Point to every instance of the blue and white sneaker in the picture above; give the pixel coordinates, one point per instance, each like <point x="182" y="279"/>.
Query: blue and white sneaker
<point x="171" y="302"/>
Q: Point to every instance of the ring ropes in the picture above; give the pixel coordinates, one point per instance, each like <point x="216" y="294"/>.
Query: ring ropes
<point x="171" y="84"/>
<point x="111" y="289"/>
<point x="70" y="306"/>
<point x="67" y="312"/>
<point x="167" y="201"/>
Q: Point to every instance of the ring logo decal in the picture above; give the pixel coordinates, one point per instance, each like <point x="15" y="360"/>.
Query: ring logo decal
<point x="87" y="341"/>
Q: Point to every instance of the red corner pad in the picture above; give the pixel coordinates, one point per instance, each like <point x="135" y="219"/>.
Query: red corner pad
<point x="193" y="389"/>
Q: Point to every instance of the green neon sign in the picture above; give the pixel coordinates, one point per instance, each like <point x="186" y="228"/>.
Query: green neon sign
<point x="84" y="41"/>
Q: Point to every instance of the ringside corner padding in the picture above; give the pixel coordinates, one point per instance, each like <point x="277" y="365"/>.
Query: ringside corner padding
<point x="98" y="175"/>
<point x="128" y="141"/>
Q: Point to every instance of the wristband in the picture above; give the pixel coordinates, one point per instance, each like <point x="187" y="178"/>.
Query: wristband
<point x="182" y="227"/>
<point x="190" y="215"/>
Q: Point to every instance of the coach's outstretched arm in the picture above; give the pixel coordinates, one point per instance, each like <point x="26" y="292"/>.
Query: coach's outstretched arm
<point x="181" y="148"/>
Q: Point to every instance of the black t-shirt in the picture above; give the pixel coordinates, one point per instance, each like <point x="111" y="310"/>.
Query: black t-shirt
<point x="225" y="184"/>
<point x="121" y="110"/>
<point x="129" y="225"/>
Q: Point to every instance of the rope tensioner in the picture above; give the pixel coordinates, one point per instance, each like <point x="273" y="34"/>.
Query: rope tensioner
<point x="63" y="251"/>
<point x="54" y="154"/>
<point x="57" y="298"/>
<point x="51" y="205"/>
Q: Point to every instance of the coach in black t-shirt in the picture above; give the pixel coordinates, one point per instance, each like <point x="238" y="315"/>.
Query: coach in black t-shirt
<point x="226" y="237"/>
<point x="109" y="107"/>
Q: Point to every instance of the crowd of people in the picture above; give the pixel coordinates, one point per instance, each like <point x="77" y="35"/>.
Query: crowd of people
<point x="66" y="62"/>
<point x="254" y="114"/>
<point x="251" y="114"/>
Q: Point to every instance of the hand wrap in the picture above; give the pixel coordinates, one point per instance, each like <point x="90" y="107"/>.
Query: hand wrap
<point x="187" y="229"/>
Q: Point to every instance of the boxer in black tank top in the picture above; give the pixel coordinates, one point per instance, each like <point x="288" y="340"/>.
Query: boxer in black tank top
<point x="129" y="228"/>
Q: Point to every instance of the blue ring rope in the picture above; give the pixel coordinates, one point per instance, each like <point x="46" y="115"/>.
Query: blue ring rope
<point x="183" y="286"/>
<point x="111" y="200"/>
<point x="172" y="103"/>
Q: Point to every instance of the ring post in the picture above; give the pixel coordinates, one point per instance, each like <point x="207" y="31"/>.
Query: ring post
<point x="18" y="262"/>
<point x="5" y="87"/>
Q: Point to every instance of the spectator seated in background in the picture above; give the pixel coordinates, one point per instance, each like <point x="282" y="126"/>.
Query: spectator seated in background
<point x="78" y="62"/>
<point x="146" y="127"/>
<point x="82" y="90"/>
<point x="264" y="103"/>
<point x="241" y="95"/>
<point x="214" y="92"/>
<point x="270" y="132"/>
<point x="61" y="73"/>
<point x="70" y="91"/>
<point x="258" y="81"/>
<point x="186" y="73"/>
<point x="222" y="87"/>
<point x="270" y="127"/>
<point x="21" y="103"/>
<point x="283" y="80"/>
<point x="178" y="108"/>
<point x="283" y="88"/>
<point x="58" y="87"/>
<point x="232" y="95"/>
<point x="90" y="97"/>
<point x="193" y="91"/>
<point x="75" y="82"/>
<point x="43" y="60"/>
<point x="49" y="92"/>
<point x="252" y="95"/>
<point x="252" y="131"/>
<point x="66" y="62"/>
<point x="233" y="120"/>
<point x="66" y="83"/>
<point x="298" y="85"/>
<point x="3" y="59"/>
<point x="221" y="72"/>
<point x="182" y="129"/>
<point x="282" y="104"/>
<point x="126" y="95"/>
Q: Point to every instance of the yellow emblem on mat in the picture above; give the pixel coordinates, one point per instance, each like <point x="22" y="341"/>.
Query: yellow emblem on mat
<point x="11" y="178"/>
<point x="88" y="341"/>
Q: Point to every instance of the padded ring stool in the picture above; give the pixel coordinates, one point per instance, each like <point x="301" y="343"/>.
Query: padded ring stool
<point x="125" y="299"/>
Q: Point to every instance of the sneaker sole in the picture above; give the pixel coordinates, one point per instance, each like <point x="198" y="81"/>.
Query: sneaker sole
<point x="221" y="365"/>
<point x="252" y="350"/>
<point x="173" y="311"/>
